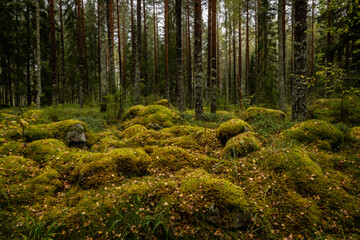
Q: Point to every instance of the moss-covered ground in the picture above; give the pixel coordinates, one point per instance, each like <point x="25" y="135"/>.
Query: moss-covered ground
<point x="155" y="173"/>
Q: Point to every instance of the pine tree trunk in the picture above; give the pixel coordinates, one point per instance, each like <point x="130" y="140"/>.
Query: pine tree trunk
<point x="119" y="43"/>
<point x="53" y="54"/>
<point x="155" y="49"/>
<point x="138" y="54"/>
<point x="198" y="60"/>
<point x="208" y="89"/>
<point x="81" y="53"/>
<point x="145" y="68"/>
<point x="240" y="64"/>
<point x="123" y="41"/>
<point x="38" y="54"/>
<point x="28" y="77"/>
<point x="102" y="54"/>
<point x="167" y="80"/>
<point x="62" y="82"/>
<point x="110" y="25"/>
<point x="213" y="57"/>
<point x="189" y="69"/>
<point x="133" y="45"/>
<point x="300" y="81"/>
<point x="247" y="53"/>
<point x="281" y="39"/>
<point x="179" y="57"/>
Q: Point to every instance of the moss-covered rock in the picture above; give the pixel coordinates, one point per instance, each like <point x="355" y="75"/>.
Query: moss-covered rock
<point x="152" y="117"/>
<point x="44" y="150"/>
<point x="71" y="132"/>
<point x="275" y="115"/>
<point x="224" y="203"/>
<point x="315" y="131"/>
<point x="232" y="128"/>
<point x="34" y="115"/>
<point x="12" y="148"/>
<point x="242" y="145"/>
<point x="336" y="110"/>
<point x="162" y="102"/>
<point x="16" y="169"/>
<point x="172" y="159"/>
<point x="148" y="138"/>
<point x="354" y="134"/>
<point x="133" y="131"/>
<point x="301" y="170"/>
<point x="107" y="144"/>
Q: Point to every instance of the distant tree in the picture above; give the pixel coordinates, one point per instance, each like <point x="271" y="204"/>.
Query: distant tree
<point x="38" y="54"/>
<point x="213" y="58"/>
<point x="53" y="54"/>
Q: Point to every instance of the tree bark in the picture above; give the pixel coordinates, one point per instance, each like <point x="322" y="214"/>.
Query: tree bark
<point x="179" y="57"/>
<point x="38" y="55"/>
<point x="213" y="57"/>
<point x="53" y="54"/>
<point x="138" y="54"/>
<point x="110" y="25"/>
<point x="281" y="51"/>
<point x="198" y="60"/>
<point x="28" y="77"/>
<point x="62" y="81"/>
<point x="247" y="52"/>
<point x="119" y="43"/>
<point x="240" y="63"/>
<point x="208" y="89"/>
<point x="145" y="68"/>
<point x="189" y="68"/>
<point x="299" y="103"/>
<point x="155" y="49"/>
<point x="167" y="80"/>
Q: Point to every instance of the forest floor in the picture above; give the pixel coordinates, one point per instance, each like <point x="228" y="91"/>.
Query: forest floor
<point x="155" y="173"/>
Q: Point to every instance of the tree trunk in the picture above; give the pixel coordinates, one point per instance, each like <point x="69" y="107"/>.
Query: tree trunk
<point x="247" y="52"/>
<point x="240" y="63"/>
<point x="145" y="68"/>
<point x="53" y="54"/>
<point x="133" y="44"/>
<point x="281" y="50"/>
<point x="38" y="55"/>
<point x="213" y="57"/>
<point x="28" y="77"/>
<point x="179" y="57"/>
<point x="138" y="53"/>
<point x="167" y="80"/>
<point x="300" y="82"/>
<point x="198" y="60"/>
<point x="110" y="25"/>
<point x="189" y="69"/>
<point x="155" y="49"/>
<point x="81" y="53"/>
<point x="119" y="43"/>
<point x="62" y="81"/>
<point x="208" y="89"/>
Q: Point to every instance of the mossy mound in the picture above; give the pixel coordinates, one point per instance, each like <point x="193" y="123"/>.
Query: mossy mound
<point x="223" y="203"/>
<point x="162" y="102"/>
<point x="232" y="128"/>
<point x="354" y="134"/>
<point x="12" y="148"/>
<point x="71" y="132"/>
<point x="131" y="161"/>
<point x="133" y="131"/>
<point x="152" y="117"/>
<point x="274" y="115"/>
<point x="172" y="159"/>
<point x="107" y="144"/>
<point x="16" y="169"/>
<point x="336" y="110"/>
<point x="241" y="145"/>
<point x="148" y="138"/>
<point x="44" y="150"/>
<point x="34" y="115"/>
<point x="317" y="132"/>
<point x="301" y="170"/>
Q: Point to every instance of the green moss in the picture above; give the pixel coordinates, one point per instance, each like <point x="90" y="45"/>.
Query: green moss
<point x="223" y="203"/>
<point x="12" y="148"/>
<point x="275" y="115"/>
<point x="172" y="159"/>
<point x="59" y="130"/>
<point x="232" y="128"/>
<point x="162" y="102"/>
<point x="107" y="144"/>
<point x="152" y="117"/>
<point x="315" y="130"/>
<point x="44" y="150"/>
<point x="34" y="115"/>
<point x="354" y="134"/>
<point x="241" y="145"/>
<point x="302" y="172"/>
<point x="97" y="173"/>
<point x="16" y="169"/>
<point x="148" y="138"/>
<point x="336" y="110"/>
<point x="133" y="131"/>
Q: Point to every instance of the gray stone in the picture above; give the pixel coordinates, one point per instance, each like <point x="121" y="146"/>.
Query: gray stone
<point x="76" y="135"/>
